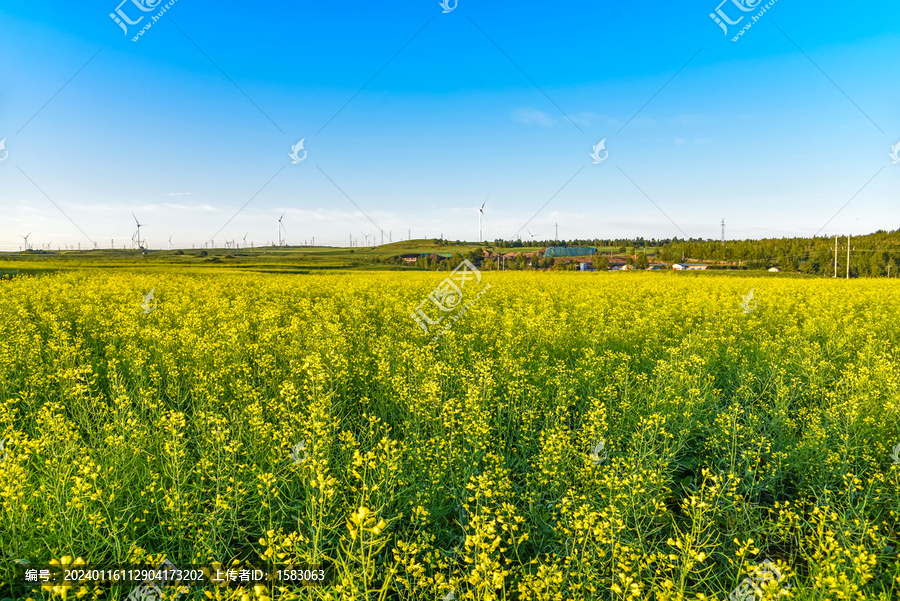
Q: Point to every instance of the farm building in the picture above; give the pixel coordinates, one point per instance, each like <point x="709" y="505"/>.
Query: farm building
<point x="689" y="267"/>
<point x="569" y="251"/>
<point x="411" y="259"/>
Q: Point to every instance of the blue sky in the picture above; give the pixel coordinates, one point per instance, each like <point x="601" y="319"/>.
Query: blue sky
<point x="775" y="133"/>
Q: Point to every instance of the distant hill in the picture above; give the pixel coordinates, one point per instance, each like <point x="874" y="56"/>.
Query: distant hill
<point x="871" y="255"/>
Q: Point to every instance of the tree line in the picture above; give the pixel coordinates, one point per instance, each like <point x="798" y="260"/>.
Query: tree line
<point x="871" y="255"/>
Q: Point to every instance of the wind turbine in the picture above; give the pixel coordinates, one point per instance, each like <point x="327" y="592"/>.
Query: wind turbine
<point x="367" y="237"/>
<point x="26" y="240"/>
<point x="280" y="228"/>
<point x="138" y="223"/>
<point x="170" y="242"/>
<point x="480" y="218"/>
<point x="245" y="239"/>
<point x="532" y="235"/>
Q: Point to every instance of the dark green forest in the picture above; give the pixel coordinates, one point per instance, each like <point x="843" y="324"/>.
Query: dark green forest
<point x="872" y="255"/>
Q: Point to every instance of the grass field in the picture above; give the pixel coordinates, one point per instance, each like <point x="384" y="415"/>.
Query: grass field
<point x="572" y="436"/>
<point x="288" y="259"/>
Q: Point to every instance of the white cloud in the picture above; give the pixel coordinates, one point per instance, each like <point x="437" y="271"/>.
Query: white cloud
<point x="533" y="117"/>
<point x="590" y="119"/>
<point x="688" y="120"/>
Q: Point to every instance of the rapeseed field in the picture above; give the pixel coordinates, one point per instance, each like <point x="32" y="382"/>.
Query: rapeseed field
<point x="570" y="437"/>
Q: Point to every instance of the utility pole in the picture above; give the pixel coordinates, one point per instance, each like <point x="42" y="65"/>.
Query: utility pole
<point x="723" y="231"/>
<point x="409" y="234"/>
<point x="848" y="256"/>
<point x="835" y="257"/>
<point x="557" y="232"/>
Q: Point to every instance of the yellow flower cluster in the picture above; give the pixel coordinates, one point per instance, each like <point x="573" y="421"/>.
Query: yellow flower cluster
<point x="308" y="421"/>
